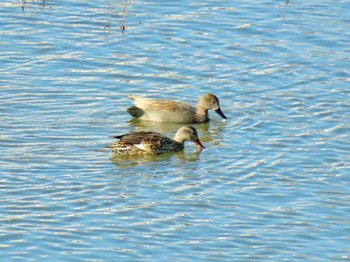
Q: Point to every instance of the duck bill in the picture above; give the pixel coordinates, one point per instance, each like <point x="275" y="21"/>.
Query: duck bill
<point x="220" y="113"/>
<point x="198" y="144"/>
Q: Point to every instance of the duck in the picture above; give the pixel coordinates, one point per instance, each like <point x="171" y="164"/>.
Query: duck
<point x="174" y="111"/>
<point x="153" y="143"/>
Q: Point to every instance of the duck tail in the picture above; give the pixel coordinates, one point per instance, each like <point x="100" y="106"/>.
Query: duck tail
<point x="135" y="111"/>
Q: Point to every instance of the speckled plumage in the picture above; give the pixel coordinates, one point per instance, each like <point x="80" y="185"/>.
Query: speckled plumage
<point x="174" y="111"/>
<point x="152" y="143"/>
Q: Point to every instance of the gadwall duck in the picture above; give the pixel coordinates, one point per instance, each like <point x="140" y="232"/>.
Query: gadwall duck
<point x="173" y="111"/>
<point x="151" y="143"/>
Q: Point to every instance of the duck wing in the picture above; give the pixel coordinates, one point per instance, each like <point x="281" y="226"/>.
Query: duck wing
<point x="138" y="137"/>
<point x="163" y="105"/>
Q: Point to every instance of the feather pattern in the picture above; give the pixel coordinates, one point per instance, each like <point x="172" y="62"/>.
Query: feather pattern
<point x="151" y="143"/>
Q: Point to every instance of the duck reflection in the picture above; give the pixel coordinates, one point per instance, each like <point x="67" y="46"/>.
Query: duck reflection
<point x="130" y="161"/>
<point x="206" y="134"/>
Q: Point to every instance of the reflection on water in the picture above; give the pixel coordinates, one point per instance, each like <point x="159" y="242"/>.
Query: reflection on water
<point x="164" y="128"/>
<point x="207" y="131"/>
<point x="186" y="155"/>
<point x="33" y="5"/>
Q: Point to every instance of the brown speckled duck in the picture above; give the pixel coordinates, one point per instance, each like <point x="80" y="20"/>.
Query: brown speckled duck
<point x="174" y="111"/>
<point x="152" y="143"/>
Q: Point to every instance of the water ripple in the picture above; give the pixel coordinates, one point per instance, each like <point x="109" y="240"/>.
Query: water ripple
<point x="272" y="177"/>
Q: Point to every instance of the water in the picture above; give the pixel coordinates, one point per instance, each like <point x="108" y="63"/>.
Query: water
<point x="273" y="181"/>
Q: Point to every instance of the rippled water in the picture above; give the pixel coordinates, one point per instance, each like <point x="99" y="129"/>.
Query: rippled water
<point x="273" y="181"/>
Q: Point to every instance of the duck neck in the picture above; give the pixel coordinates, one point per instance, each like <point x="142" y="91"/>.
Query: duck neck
<point x="202" y="114"/>
<point x="201" y="108"/>
<point x="179" y="139"/>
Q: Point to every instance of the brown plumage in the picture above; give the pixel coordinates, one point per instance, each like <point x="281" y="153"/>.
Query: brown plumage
<point x="151" y="143"/>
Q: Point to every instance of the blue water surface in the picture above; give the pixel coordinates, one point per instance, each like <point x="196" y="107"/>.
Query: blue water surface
<point x="272" y="183"/>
